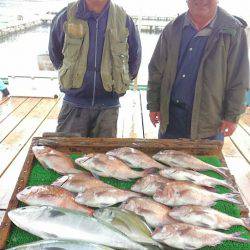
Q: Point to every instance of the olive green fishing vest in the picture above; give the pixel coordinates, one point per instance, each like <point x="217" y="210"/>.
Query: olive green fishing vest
<point x="114" y="66"/>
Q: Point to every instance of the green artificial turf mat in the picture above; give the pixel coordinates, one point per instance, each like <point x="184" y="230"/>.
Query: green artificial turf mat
<point x="41" y="176"/>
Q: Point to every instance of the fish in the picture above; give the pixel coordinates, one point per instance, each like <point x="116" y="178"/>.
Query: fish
<point x="135" y="158"/>
<point x="179" y="193"/>
<point x="149" y="184"/>
<point x="57" y="223"/>
<point x="109" y="166"/>
<point x="154" y="213"/>
<point x="180" y="174"/>
<point x="55" y="160"/>
<point x="207" y="217"/>
<point x="60" y="245"/>
<point x="128" y="223"/>
<point x="104" y="196"/>
<point x="78" y="183"/>
<point x="185" y="236"/>
<point x="180" y="159"/>
<point x="51" y="196"/>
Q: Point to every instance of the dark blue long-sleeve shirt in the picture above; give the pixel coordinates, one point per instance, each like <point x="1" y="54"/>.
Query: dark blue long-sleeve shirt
<point x="92" y="92"/>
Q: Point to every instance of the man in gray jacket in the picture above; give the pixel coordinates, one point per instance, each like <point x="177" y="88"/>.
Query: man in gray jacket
<point x="198" y="74"/>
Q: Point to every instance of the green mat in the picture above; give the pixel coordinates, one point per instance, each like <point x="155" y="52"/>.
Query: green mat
<point x="41" y="176"/>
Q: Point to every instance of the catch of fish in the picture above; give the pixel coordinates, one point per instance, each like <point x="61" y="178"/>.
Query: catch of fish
<point x="169" y="195"/>
<point x="135" y="158"/>
<point x="104" y="196"/>
<point x="154" y="213"/>
<point x="178" y="193"/>
<point x="185" y="236"/>
<point x="57" y="223"/>
<point x="51" y="196"/>
<point x="109" y="166"/>
<point x="207" y="217"/>
<point x="55" y="160"/>
<point x="180" y="159"/>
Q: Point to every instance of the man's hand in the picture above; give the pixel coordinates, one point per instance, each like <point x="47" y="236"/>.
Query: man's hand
<point x="155" y="117"/>
<point x="227" y="128"/>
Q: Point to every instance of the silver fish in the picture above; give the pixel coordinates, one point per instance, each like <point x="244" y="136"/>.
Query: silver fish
<point x="207" y="217"/>
<point x="51" y="196"/>
<point x="149" y="184"/>
<point x="154" y="213"/>
<point x="184" y="236"/>
<point x="181" y="174"/>
<point x="104" y="196"/>
<point x="135" y="158"/>
<point x="109" y="166"/>
<point x="180" y="159"/>
<point x="56" y="223"/>
<point x="128" y="223"/>
<point x="178" y="193"/>
<point x="52" y="159"/>
<point x="78" y="183"/>
<point x="60" y="245"/>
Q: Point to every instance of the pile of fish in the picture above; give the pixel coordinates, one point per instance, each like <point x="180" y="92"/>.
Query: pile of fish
<point x="169" y="203"/>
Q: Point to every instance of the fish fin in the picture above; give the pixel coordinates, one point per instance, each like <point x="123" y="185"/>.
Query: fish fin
<point x="222" y="171"/>
<point x="95" y="175"/>
<point x="233" y="198"/>
<point x="210" y="189"/>
<point x="145" y="211"/>
<point x="237" y="237"/>
<point x="206" y="225"/>
<point x="246" y="222"/>
<point x="100" y="193"/>
<point x="189" y="247"/>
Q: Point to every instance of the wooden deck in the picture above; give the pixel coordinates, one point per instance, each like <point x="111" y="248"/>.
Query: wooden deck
<point x="23" y="118"/>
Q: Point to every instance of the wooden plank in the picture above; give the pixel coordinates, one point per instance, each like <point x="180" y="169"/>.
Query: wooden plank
<point x="17" y="116"/>
<point x="130" y="119"/>
<point x="14" y="142"/>
<point x="239" y="168"/>
<point x="1" y="216"/>
<point x="150" y="132"/>
<point x="242" y="141"/>
<point x="9" y="106"/>
<point x="10" y="177"/>
<point x="245" y="121"/>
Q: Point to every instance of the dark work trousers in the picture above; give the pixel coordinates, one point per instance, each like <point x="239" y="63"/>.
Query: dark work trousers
<point x="88" y="122"/>
<point x="180" y="123"/>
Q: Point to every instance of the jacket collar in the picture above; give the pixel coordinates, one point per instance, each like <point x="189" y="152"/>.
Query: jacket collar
<point x="84" y="13"/>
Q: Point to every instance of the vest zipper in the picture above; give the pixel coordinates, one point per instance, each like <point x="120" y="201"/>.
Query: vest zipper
<point x="96" y="40"/>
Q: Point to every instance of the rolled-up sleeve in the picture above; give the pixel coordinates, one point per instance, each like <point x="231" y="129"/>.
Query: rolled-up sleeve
<point x="56" y="39"/>
<point x="134" y="42"/>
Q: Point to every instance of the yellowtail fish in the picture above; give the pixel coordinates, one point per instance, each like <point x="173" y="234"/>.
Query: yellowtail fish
<point x="128" y="223"/>
<point x="57" y="223"/>
<point x="109" y="166"/>
<point x="180" y="159"/>
<point x="104" y="196"/>
<point x="207" y="217"/>
<point x="52" y="159"/>
<point x="154" y="213"/>
<point x="135" y="158"/>
<point x="184" y="236"/>
<point x="51" y="196"/>
<point x="178" y="193"/>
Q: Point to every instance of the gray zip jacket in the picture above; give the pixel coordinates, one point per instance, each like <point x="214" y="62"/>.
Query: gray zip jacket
<point x="222" y="80"/>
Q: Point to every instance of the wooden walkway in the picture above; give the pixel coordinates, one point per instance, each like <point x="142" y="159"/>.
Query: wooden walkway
<point x="23" y="118"/>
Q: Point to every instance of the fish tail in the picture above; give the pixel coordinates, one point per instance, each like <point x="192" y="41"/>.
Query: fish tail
<point x="229" y="185"/>
<point x="233" y="198"/>
<point x="246" y="223"/>
<point x="149" y="171"/>
<point x="222" y="171"/>
<point x="237" y="237"/>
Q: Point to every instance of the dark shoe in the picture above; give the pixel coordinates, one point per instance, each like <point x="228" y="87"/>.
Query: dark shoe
<point x="5" y="92"/>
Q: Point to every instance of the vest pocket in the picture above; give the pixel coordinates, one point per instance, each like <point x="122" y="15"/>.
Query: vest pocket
<point x="120" y="67"/>
<point x="71" y="48"/>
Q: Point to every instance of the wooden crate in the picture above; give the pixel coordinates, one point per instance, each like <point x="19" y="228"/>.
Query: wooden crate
<point x="71" y="144"/>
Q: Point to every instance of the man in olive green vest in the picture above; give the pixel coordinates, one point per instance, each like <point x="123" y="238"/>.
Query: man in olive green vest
<point x="96" y="48"/>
